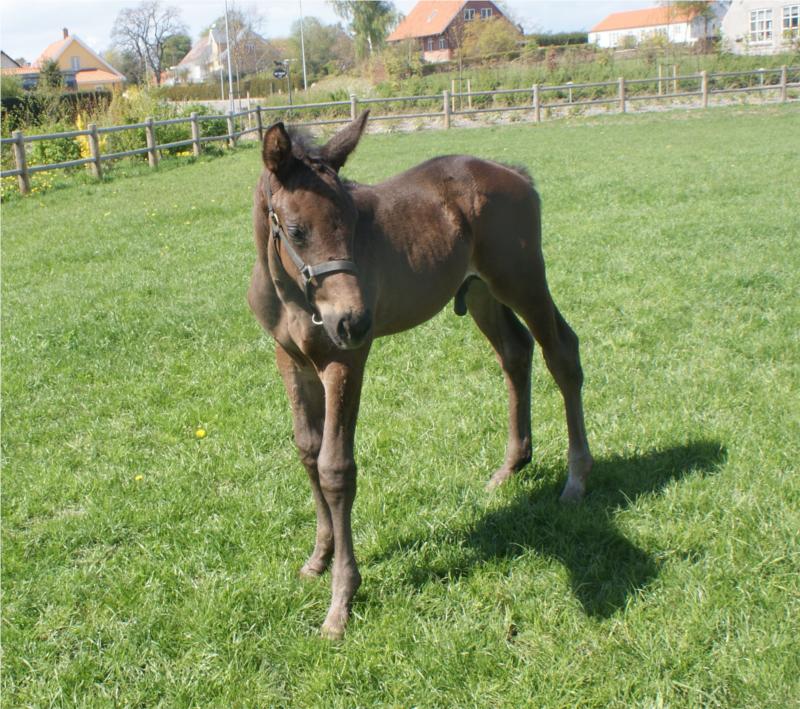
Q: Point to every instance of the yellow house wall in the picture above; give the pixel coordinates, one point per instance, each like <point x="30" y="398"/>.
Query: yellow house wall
<point x="88" y="60"/>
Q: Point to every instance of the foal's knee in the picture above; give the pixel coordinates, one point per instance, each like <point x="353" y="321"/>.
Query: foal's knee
<point x="308" y="446"/>
<point x="337" y="474"/>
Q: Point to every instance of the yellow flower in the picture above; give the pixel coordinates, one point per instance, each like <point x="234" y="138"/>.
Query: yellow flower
<point x="139" y="478"/>
<point x="200" y="433"/>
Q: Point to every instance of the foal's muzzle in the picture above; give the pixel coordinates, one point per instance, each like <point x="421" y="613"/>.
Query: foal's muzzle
<point x="351" y="330"/>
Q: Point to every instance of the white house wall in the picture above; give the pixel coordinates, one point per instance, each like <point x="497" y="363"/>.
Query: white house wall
<point x="738" y="35"/>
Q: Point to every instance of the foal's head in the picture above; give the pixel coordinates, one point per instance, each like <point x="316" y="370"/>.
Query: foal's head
<point x="317" y="219"/>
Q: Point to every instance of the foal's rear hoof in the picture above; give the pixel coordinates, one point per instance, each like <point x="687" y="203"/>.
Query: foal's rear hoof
<point x="309" y="573"/>
<point x="334" y="625"/>
<point x="498" y="478"/>
<point x="573" y="493"/>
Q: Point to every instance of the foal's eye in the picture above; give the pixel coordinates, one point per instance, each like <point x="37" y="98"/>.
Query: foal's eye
<point x="296" y="233"/>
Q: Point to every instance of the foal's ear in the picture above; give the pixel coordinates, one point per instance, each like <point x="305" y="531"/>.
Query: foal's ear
<point x="338" y="148"/>
<point x="277" y="149"/>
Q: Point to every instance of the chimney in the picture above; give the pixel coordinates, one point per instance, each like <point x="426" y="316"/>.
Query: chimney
<point x="66" y="33"/>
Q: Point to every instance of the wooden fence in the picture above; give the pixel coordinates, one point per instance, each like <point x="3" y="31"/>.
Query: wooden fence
<point x="533" y="102"/>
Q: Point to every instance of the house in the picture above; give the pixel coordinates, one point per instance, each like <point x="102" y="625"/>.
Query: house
<point x="7" y="62"/>
<point x="209" y="57"/>
<point x="435" y="25"/>
<point x="761" y="26"/>
<point x="675" y="23"/>
<point x="82" y="69"/>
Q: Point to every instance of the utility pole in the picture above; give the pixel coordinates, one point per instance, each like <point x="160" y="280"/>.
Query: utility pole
<point x="230" y="72"/>
<point x="303" y="48"/>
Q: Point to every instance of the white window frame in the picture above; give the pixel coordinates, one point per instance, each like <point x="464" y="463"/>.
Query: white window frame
<point x="429" y="44"/>
<point x="761" y="25"/>
<point x="75" y="62"/>
<point x="442" y="42"/>
<point x="791" y="20"/>
<point x="486" y="13"/>
<point x="469" y="14"/>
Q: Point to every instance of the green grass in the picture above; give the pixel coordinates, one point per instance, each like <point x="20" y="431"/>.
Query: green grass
<point x="672" y="250"/>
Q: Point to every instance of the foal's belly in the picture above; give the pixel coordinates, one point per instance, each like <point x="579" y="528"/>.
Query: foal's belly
<point x="408" y="297"/>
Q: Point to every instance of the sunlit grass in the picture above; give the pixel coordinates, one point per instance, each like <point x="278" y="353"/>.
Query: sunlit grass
<point x="144" y="565"/>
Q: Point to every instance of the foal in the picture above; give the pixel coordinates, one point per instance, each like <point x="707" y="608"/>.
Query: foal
<point x="339" y="264"/>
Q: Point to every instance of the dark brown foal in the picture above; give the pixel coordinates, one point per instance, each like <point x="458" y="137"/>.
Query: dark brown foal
<point x="340" y="264"/>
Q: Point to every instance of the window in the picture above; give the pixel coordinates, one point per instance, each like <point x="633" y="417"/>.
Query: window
<point x="442" y="43"/>
<point x="791" y="20"/>
<point x="761" y="25"/>
<point x="486" y="13"/>
<point x="430" y="44"/>
<point x="76" y="63"/>
<point x="469" y="14"/>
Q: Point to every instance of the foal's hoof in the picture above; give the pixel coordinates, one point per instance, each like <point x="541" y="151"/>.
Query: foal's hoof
<point x="573" y="493"/>
<point x="334" y="625"/>
<point x="311" y="571"/>
<point x="498" y="478"/>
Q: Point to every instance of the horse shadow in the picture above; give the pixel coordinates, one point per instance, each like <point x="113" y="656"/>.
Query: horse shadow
<point x="605" y="568"/>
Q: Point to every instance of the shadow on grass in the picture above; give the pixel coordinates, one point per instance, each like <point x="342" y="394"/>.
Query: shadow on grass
<point x="605" y="568"/>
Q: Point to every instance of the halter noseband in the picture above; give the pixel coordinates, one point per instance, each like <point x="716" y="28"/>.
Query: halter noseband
<point x="308" y="274"/>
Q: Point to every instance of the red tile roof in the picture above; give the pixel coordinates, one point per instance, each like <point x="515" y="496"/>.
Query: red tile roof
<point x="96" y="76"/>
<point x="429" y="17"/>
<point x="53" y="51"/>
<point x="649" y="17"/>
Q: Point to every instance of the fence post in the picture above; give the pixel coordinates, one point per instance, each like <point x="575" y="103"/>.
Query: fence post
<point x="446" y="101"/>
<point x="231" y="127"/>
<point x="537" y="104"/>
<point x="660" y="88"/>
<point x="152" y="154"/>
<point x="259" y="124"/>
<point x="195" y="135"/>
<point x="674" y="78"/>
<point x="94" y="146"/>
<point x="469" y="94"/>
<point x="23" y="179"/>
<point x="621" y="94"/>
<point x="353" y="106"/>
<point x="784" y="72"/>
<point x="704" y="87"/>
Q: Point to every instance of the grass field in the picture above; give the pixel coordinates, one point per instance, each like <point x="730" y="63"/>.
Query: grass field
<point x="143" y="566"/>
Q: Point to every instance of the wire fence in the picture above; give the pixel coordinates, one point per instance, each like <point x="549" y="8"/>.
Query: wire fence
<point x="536" y="103"/>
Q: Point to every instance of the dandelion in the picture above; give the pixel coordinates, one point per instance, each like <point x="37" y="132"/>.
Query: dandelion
<point x="200" y="433"/>
<point x="139" y="478"/>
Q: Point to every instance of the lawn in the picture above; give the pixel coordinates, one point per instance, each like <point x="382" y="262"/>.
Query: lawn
<point x="144" y="566"/>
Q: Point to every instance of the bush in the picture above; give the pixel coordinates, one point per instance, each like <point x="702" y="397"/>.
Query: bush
<point x="55" y="150"/>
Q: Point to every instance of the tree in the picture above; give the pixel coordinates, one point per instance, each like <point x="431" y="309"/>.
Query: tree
<point x="328" y="48"/>
<point x="489" y="37"/>
<point x="126" y="63"/>
<point x="50" y="75"/>
<point x="370" y="22"/>
<point x="691" y="9"/>
<point x="176" y="48"/>
<point x="248" y="50"/>
<point x="143" y="32"/>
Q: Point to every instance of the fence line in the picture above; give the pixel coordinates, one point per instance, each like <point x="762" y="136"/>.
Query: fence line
<point x="620" y="92"/>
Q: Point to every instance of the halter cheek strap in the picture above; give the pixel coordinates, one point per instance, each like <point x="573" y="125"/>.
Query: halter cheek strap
<point x="309" y="275"/>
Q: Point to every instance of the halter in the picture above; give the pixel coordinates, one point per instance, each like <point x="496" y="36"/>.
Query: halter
<point x="309" y="275"/>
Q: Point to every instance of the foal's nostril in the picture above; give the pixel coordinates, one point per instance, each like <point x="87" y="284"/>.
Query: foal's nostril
<point x="360" y="327"/>
<point x="354" y="328"/>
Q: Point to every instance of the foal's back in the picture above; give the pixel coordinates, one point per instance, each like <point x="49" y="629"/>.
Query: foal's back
<point x="422" y="232"/>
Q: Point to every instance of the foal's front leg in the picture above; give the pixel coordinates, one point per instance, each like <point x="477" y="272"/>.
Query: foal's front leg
<point x="337" y="476"/>
<point x="307" y="398"/>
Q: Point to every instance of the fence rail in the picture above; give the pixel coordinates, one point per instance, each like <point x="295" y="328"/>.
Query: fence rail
<point x="442" y="106"/>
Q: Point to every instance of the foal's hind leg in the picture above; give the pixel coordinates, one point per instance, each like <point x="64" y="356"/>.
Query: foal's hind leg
<point x="307" y="398"/>
<point x="514" y="348"/>
<point x="560" y="348"/>
<point x="526" y="292"/>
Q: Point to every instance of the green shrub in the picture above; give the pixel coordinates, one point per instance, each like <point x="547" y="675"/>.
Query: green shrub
<point x="54" y="150"/>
